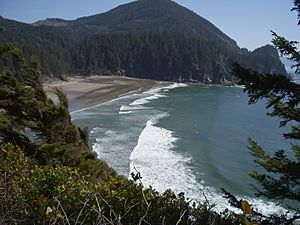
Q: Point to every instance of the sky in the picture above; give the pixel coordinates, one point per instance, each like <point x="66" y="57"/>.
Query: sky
<point x="247" y="22"/>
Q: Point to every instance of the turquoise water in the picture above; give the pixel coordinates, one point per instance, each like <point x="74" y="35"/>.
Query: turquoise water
<point x="190" y="138"/>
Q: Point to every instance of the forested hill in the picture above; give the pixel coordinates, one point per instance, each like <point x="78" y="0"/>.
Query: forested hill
<point x="154" y="39"/>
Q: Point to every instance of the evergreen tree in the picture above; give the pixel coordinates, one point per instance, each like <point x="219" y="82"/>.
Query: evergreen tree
<point x="282" y="178"/>
<point x="43" y="129"/>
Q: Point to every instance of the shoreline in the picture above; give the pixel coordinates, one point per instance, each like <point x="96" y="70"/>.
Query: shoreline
<point x="85" y="92"/>
<point x="93" y="90"/>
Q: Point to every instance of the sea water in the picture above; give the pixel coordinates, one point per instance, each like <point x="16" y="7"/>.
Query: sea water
<point x="189" y="138"/>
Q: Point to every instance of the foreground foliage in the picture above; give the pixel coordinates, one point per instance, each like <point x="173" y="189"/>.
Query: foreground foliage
<point x="63" y="195"/>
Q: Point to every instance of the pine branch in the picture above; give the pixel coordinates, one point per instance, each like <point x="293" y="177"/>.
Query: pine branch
<point x="297" y="8"/>
<point x="288" y="49"/>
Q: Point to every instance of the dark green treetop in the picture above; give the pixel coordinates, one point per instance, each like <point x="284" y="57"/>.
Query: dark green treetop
<point x="282" y="178"/>
<point x="29" y="119"/>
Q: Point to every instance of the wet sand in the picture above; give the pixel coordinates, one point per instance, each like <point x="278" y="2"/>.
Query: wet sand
<point x="90" y="91"/>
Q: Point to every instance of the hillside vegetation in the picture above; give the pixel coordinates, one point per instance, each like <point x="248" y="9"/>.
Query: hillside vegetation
<point x="149" y="39"/>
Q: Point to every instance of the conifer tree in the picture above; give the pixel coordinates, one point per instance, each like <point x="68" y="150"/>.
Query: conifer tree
<point x="32" y="121"/>
<point x="282" y="178"/>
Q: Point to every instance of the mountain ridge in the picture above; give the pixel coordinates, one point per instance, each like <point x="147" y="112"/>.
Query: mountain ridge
<point x="162" y="41"/>
<point x="56" y="22"/>
<point x="165" y="8"/>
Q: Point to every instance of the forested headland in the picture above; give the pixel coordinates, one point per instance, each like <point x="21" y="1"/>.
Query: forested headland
<point x="161" y="41"/>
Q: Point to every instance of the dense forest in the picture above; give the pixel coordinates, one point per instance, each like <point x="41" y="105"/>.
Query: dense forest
<point x="162" y="41"/>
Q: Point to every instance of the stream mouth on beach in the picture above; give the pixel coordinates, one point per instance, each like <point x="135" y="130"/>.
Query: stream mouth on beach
<point x="190" y="138"/>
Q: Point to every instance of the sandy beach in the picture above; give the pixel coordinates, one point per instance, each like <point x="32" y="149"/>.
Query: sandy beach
<point x="90" y="91"/>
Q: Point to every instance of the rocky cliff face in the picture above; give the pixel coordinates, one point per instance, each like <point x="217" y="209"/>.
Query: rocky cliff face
<point x="266" y="60"/>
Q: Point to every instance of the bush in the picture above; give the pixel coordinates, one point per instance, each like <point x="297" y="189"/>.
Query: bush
<point x="33" y="194"/>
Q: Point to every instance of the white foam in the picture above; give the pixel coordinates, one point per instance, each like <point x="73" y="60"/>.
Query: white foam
<point x="110" y="148"/>
<point x="156" y="96"/>
<point x="239" y="86"/>
<point x="265" y="207"/>
<point x="176" y="85"/>
<point x="131" y="108"/>
<point x="163" y="168"/>
<point x="155" y="93"/>
<point x="153" y="158"/>
<point x="96" y="130"/>
<point x="154" y="90"/>
<point x="165" y="87"/>
<point x="160" y="166"/>
<point x="145" y="100"/>
<point x="126" y="112"/>
<point x="140" y="101"/>
<point x="157" y="163"/>
<point x="231" y="86"/>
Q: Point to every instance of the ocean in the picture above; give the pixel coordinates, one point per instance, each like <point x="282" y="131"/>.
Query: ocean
<point x="189" y="138"/>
